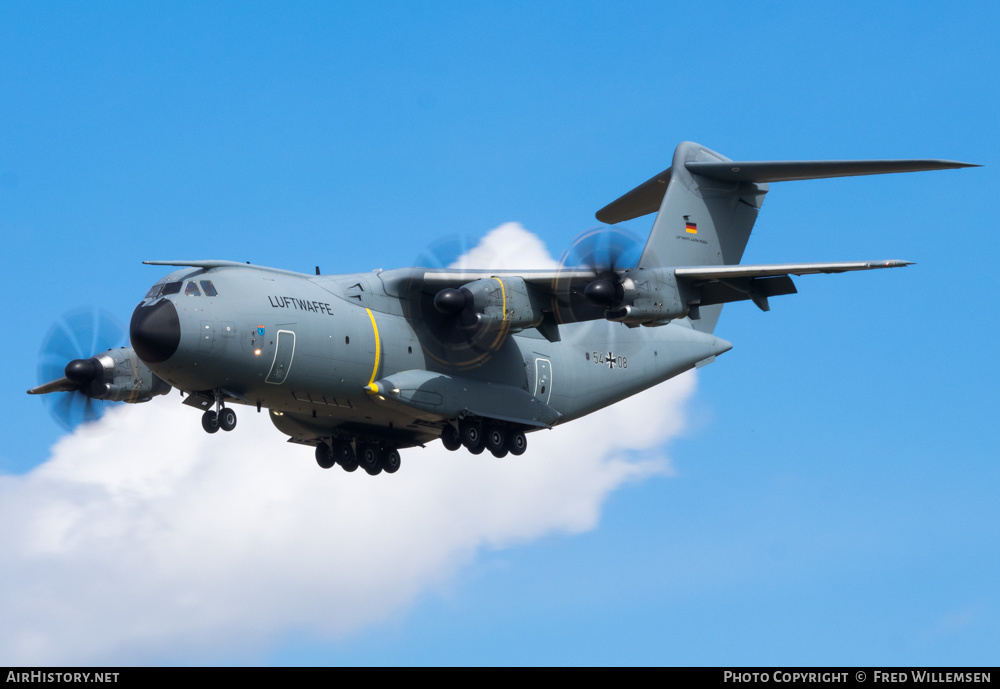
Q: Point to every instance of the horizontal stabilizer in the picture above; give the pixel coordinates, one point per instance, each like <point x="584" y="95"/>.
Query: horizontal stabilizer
<point x="647" y="197"/>
<point x="643" y="200"/>
<point x="791" y="170"/>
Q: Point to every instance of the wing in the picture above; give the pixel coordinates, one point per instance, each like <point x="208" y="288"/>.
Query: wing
<point x="723" y="284"/>
<point x="696" y="273"/>
<point x="560" y="293"/>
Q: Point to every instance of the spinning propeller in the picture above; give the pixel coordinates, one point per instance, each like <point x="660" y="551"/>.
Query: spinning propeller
<point x="602" y="254"/>
<point x="66" y="364"/>
<point x="446" y="319"/>
<point x="446" y="252"/>
<point x="465" y="329"/>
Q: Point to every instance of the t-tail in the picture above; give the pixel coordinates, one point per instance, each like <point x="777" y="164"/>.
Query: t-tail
<point x="707" y="207"/>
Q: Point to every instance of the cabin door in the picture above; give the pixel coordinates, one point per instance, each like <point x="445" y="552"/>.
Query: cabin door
<point x="543" y="379"/>
<point x="283" y="353"/>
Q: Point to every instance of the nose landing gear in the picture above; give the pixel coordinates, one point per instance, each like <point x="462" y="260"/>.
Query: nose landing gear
<point x="227" y="419"/>
<point x="210" y="421"/>
<point x="220" y="417"/>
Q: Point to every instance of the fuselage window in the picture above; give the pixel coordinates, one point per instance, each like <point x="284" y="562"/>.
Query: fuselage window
<point x="192" y="290"/>
<point x="209" y="288"/>
<point x="171" y="288"/>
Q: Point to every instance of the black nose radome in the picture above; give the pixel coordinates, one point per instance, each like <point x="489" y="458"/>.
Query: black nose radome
<point x="155" y="331"/>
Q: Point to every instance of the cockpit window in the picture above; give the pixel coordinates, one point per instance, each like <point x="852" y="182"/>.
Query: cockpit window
<point x="192" y="290"/>
<point x="153" y="292"/>
<point x="171" y="288"/>
<point x="209" y="288"/>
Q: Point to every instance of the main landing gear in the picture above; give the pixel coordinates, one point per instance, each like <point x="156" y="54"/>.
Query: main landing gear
<point x="477" y="436"/>
<point x="374" y="459"/>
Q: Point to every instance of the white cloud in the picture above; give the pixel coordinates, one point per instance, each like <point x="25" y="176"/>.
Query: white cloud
<point x="143" y="538"/>
<point x="509" y="246"/>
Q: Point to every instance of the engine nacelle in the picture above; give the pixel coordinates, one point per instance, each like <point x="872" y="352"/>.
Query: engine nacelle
<point x="120" y="376"/>
<point x="492" y="307"/>
<point x="504" y="303"/>
<point x="651" y="297"/>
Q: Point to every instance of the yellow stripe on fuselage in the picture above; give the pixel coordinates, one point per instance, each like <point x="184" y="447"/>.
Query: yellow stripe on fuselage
<point x="378" y="353"/>
<point x="503" y="330"/>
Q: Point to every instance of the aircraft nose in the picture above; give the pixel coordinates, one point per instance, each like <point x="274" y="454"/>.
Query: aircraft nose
<point x="155" y="331"/>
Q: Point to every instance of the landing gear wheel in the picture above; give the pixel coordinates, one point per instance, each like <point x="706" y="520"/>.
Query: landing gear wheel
<point x="227" y="419"/>
<point x="472" y="436"/>
<point x="517" y="443"/>
<point x="496" y="441"/>
<point x="450" y="439"/>
<point x="210" y="421"/>
<point x="343" y="454"/>
<point x="369" y="460"/>
<point x="323" y="456"/>
<point x="390" y="460"/>
<point x="477" y="451"/>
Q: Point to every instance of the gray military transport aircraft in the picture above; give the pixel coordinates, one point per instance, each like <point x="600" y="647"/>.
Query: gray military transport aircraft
<point x="362" y="365"/>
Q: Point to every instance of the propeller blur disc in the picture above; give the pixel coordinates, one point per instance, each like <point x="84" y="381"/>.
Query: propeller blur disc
<point x="604" y="252"/>
<point x="604" y="249"/>
<point x="77" y="335"/>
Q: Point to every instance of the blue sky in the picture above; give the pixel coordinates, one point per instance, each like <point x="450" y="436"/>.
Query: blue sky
<point x="830" y="497"/>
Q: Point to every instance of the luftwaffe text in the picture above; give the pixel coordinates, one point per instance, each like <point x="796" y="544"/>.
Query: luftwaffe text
<point x="300" y="305"/>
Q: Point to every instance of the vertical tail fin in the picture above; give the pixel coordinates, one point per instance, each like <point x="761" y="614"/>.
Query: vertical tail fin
<point x="702" y="221"/>
<point x="708" y="205"/>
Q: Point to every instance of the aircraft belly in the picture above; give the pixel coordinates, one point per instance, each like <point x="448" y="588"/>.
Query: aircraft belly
<point x="307" y="429"/>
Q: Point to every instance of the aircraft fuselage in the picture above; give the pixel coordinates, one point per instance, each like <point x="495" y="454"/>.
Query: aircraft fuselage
<point x="312" y="349"/>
